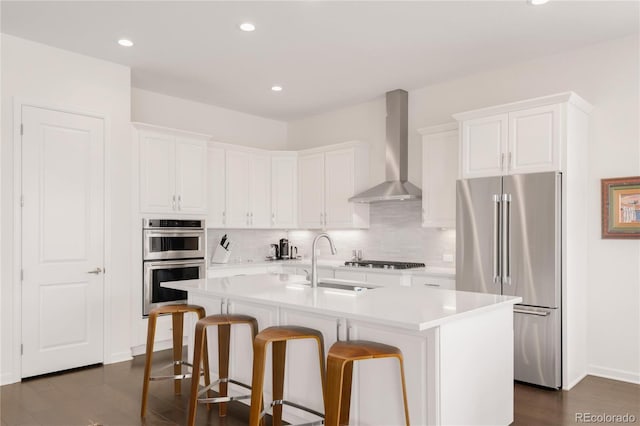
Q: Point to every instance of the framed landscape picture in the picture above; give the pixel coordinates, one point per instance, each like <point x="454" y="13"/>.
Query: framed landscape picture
<point x="621" y="207"/>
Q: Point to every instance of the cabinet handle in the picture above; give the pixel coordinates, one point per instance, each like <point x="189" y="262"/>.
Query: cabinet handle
<point x="432" y="285"/>
<point x="224" y="217"/>
<point x="179" y="202"/>
<point x="173" y="202"/>
<point x="222" y="306"/>
<point x="338" y="330"/>
<point x="273" y="218"/>
<point x="502" y="161"/>
<point x="509" y="161"/>
<point x="321" y="219"/>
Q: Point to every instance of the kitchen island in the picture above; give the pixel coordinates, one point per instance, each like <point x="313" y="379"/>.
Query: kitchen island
<point x="457" y="346"/>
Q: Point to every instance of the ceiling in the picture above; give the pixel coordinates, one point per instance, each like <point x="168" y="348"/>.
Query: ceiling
<point x="325" y="54"/>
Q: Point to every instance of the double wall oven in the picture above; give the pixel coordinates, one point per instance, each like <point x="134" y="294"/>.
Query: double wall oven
<point x="173" y="250"/>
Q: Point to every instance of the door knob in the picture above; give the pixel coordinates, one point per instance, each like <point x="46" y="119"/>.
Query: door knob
<point x="95" y="271"/>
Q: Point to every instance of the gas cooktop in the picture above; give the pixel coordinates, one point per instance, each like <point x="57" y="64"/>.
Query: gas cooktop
<point x="383" y="264"/>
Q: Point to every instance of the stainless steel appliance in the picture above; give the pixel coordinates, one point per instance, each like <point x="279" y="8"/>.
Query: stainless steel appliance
<point x="383" y="264"/>
<point x="284" y="249"/>
<point x="173" y="250"/>
<point x="508" y="241"/>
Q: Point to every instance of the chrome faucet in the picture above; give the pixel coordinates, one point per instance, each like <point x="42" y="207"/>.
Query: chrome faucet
<point x="314" y="257"/>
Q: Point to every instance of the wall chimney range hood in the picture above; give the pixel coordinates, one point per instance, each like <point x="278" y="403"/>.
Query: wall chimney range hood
<point x="396" y="187"/>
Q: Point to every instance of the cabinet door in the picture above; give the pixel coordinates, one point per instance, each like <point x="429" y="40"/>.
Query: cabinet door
<point x="534" y="140"/>
<point x="302" y="375"/>
<point x="433" y="282"/>
<point x="284" y="179"/>
<point x="157" y="173"/>
<point x="241" y="353"/>
<point x="191" y="176"/>
<point x="377" y="386"/>
<point x="311" y="191"/>
<point x="484" y="141"/>
<point x="339" y="187"/>
<point x="237" y="194"/>
<point x="439" y="174"/>
<point x="260" y="191"/>
<point x="215" y="187"/>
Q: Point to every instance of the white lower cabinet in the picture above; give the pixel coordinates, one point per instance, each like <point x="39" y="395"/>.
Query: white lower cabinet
<point x="302" y="375"/>
<point x="241" y="356"/>
<point x="376" y="398"/>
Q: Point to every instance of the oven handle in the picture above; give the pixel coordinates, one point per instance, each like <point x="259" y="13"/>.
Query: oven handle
<point x="174" y="233"/>
<point x="165" y="263"/>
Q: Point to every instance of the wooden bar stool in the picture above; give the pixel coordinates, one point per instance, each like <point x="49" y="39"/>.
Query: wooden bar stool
<point x="339" y="374"/>
<point x="224" y="323"/>
<point x="177" y="317"/>
<point x="278" y="337"/>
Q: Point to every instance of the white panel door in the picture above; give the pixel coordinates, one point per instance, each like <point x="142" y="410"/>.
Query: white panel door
<point x="216" y="188"/>
<point x="237" y="194"/>
<point x="534" y="140"/>
<point x="339" y="170"/>
<point x="157" y="173"/>
<point x="260" y="191"/>
<point x="284" y="187"/>
<point x="191" y="176"/>
<point x="311" y="191"/>
<point x="484" y="141"/>
<point x="62" y="240"/>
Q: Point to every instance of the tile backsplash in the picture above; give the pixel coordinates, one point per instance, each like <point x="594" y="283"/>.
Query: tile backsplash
<point x="395" y="233"/>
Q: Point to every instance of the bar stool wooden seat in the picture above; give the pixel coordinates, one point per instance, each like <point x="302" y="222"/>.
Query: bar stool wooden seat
<point x="224" y="323"/>
<point x="339" y="375"/>
<point x="278" y="337"/>
<point x="177" y="317"/>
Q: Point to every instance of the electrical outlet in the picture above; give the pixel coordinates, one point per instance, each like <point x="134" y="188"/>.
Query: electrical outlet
<point x="447" y="257"/>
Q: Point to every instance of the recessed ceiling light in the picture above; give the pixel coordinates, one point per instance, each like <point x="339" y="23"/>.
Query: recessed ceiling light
<point x="124" y="42"/>
<point x="276" y="88"/>
<point x="247" y="26"/>
<point x="537" y="2"/>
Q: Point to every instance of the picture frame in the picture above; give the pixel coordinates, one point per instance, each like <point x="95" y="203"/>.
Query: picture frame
<point x="621" y="207"/>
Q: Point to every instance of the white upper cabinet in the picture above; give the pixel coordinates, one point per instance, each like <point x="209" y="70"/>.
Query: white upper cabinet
<point x="237" y="191"/>
<point x="216" y="187"/>
<point x="522" y="137"/>
<point x="260" y="190"/>
<point x="248" y="189"/>
<point x="484" y="141"/>
<point x="284" y="190"/>
<point x="439" y="174"/>
<point x="191" y="176"/>
<point x="311" y="190"/>
<point x="172" y="171"/>
<point x="328" y="177"/>
<point x="534" y="140"/>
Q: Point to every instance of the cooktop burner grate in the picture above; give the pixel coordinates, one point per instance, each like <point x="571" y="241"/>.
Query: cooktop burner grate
<point x="383" y="264"/>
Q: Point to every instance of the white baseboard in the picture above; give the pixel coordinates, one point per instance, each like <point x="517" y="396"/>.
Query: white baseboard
<point x="157" y="346"/>
<point x="577" y="380"/>
<point x="119" y="357"/>
<point x="7" y="379"/>
<point x="614" y="374"/>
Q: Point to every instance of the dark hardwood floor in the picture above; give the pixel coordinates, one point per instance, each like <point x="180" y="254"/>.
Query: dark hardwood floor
<point x="110" y="395"/>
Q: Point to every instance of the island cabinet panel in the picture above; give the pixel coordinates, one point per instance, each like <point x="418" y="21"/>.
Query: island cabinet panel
<point x="377" y="388"/>
<point x="241" y="356"/>
<point x="302" y="377"/>
<point x="212" y="306"/>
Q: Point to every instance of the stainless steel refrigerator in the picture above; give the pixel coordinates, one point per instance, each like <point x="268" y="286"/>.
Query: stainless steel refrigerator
<point x="509" y="241"/>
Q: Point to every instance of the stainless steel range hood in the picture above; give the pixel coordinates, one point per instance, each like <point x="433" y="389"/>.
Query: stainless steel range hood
<point x="396" y="187"/>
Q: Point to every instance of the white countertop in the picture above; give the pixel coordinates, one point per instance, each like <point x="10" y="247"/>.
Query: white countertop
<point x="411" y="308"/>
<point x="339" y="265"/>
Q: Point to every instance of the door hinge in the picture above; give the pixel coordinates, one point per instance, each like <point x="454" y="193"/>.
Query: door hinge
<point x="21" y="129"/>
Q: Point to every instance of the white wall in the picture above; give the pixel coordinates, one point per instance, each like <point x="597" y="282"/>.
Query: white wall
<point x="47" y="75"/>
<point x="224" y="125"/>
<point x="606" y="75"/>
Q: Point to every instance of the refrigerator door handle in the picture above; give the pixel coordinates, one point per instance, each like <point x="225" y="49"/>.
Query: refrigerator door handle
<point x="505" y="272"/>
<point x="496" y="239"/>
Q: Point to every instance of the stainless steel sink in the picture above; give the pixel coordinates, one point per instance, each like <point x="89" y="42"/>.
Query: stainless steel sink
<point x="346" y="285"/>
